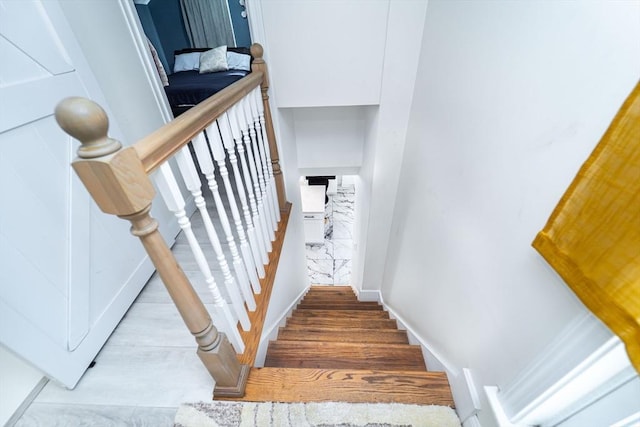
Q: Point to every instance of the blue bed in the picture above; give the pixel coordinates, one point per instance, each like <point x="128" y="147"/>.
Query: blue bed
<point x="188" y="88"/>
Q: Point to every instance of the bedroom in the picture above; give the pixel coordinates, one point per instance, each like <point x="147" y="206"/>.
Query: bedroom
<point x="176" y="25"/>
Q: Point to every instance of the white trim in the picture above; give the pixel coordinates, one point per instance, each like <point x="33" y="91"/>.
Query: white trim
<point x="631" y="420"/>
<point x="272" y="333"/>
<point x="496" y="408"/>
<point x="472" y="421"/>
<point x="17" y="414"/>
<point x="603" y="371"/>
<point x="583" y="336"/>
<point x="140" y="42"/>
<point x="368" y="295"/>
<point x="597" y="375"/>
<point x="254" y="18"/>
<point x="463" y="389"/>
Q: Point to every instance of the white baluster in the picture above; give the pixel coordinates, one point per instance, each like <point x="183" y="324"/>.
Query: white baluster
<point x="257" y="99"/>
<point x="250" y="160"/>
<point x="192" y="181"/>
<point x="256" y="162"/>
<point x="249" y="138"/>
<point x="234" y="125"/>
<point x="253" y="120"/>
<point x="240" y="265"/>
<point x="170" y="192"/>
<point x="215" y="143"/>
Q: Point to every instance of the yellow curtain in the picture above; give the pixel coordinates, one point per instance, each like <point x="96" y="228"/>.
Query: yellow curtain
<point x="592" y="238"/>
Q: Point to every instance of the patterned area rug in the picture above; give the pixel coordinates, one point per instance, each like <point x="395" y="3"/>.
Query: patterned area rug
<point x="326" y="414"/>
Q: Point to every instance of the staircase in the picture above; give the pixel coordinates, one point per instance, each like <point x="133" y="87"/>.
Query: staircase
<point x="336" y="348"/>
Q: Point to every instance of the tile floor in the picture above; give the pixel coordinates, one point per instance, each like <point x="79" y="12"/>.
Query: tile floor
<point x="329" y="263"/>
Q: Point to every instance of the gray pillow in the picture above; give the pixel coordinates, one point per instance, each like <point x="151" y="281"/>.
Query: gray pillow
<point x="214" y="60"/>
<point x="238" y="61"/>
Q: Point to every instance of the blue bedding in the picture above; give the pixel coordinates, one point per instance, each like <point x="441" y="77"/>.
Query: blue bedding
<point x="188" y="88"/>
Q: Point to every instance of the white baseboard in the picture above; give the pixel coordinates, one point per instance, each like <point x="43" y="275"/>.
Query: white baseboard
<point x="463" y="388"/>
<point x="368" y="295"/>
<point x="17" y="414"/>
<point x="272" y="333"/>
<point x="472" y="421"/>
<point x="496" y="408"/>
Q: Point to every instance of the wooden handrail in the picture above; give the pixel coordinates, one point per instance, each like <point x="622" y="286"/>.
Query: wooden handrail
<point x="118" y="183"/>
<point x="118" y="180"/>
<point x="157" y="147"/>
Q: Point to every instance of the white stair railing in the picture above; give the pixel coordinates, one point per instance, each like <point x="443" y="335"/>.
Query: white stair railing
<point x="172" y="197"/>
<point x="119" y="179"/>
<point x="226" y="127"/>
<point x="257" y="159"/>
<point x="194" y="185"/>
<point x="269" y="184"/>
<point x="257" y="101"/>
<point x="246" y="140"/>
<point x="217" y="148"/>
<point x="243" y="266"/>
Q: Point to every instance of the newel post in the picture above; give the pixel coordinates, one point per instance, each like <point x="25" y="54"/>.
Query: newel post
<point x="120" y="186"/>
<point x="258" y="64"/>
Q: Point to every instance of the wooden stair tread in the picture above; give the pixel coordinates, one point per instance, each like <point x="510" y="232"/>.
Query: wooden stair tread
<point x="336" y="348"/>
<point x="390" y="336"/>
<point x="340" y="355"/>
<point x="336" y="288"/>
<point x="330" y="295"/>
<point x="344" y="323"/>
<point x="339" y="306"/>
<point x="335" y="314"/>
<point x="354" y="385"/>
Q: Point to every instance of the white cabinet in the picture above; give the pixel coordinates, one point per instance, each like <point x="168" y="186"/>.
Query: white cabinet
<point x="313" y="212"/>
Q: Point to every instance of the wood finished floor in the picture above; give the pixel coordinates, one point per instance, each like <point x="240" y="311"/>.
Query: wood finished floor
<point x="344" y="350"/>
<point x="147" y="368"/>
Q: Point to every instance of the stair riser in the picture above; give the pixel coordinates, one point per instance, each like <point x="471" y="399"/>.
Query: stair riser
<point x="338" y="306"/>
<point x="320" y="355"/>
<point x="340" y="295"/>
<point x="336" y="314"/>
<point x="321" y="299"/>
<point x="344" y="323"/>
<point x="362" y="336"/>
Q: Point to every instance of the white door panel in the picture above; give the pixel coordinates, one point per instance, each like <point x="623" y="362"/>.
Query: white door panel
<point x="36" y="36"/>
<point x="35" y="99"/>
<point x="68" y="272"/>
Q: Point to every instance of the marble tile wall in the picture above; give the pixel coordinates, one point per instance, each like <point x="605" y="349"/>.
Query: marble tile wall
<point x="329" y="263"/>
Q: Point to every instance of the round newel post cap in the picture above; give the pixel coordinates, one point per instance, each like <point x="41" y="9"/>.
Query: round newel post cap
<point x="87" y="122"/>
<point x="257" y="51"/>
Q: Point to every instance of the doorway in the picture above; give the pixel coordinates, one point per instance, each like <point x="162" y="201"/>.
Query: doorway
<point x="329" y="260"/>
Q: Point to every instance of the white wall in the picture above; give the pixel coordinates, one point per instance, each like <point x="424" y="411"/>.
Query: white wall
<point x="104" y="35"/>
<point x="325" y="52"/>
<point x="291" y="278"/>
<point x="510" y="99"/>
<point x="17" y="380"/>
<point x="329" y="137"/>
<point x="384" y="146"/>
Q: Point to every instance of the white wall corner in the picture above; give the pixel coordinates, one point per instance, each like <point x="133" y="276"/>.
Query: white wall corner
<point x="496" y="408"/>
<point x="471" y="422"/>
<point x="463" y="388"/>
<point x="272" y="333"/>
<point x="583" y="337"/>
